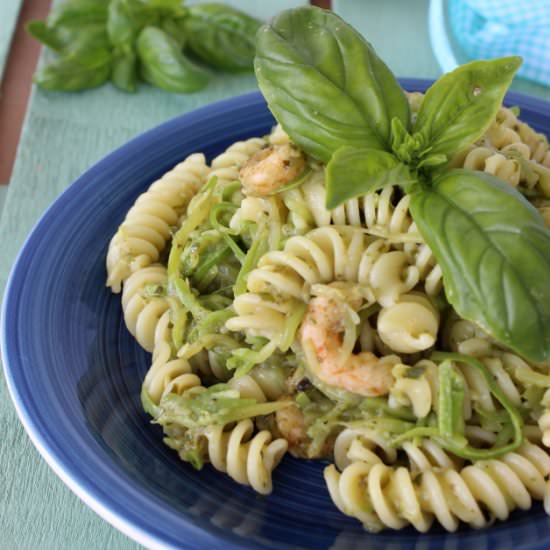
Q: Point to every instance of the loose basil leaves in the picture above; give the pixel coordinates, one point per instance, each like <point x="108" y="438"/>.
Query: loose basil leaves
<point x="221" y="36"/>
<point x="95" y="40"/>
<point x="165" y="66"/>
<point x="325" y="84"/>
<point x="339" y="102"/>
<point x="494" y="252"/>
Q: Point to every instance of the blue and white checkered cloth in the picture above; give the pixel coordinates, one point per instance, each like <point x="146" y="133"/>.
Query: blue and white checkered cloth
<point x="485" y="29"/>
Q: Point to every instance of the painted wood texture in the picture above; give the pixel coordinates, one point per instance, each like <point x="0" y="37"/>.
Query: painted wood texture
<point x="3" y="193"/>
<point x="9" y="11"/>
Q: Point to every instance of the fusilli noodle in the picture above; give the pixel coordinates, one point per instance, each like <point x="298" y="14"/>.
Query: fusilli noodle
<point x="143" y="303"/>
<point x="248" y="459"/>
<point x="393" y="496"/>
<point x="147" y="227"/>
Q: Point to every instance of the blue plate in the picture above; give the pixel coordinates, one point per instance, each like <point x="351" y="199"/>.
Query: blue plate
<point x="74" y="374"/>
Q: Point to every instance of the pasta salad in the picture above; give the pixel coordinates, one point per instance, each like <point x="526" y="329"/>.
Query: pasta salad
<point x="363" y="285"/>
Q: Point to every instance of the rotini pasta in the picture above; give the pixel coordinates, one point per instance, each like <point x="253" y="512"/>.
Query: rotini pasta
<point x="248" y="459"/>
<point x="278" y="325"/>
<point x="143" y="303"/>
<point x="415" y="386"/>
<point x="322" y="256"/>
<point x="514" y="152"/>
<point x="387" y="496"/>
<point x="146" y="229"/>
<point x="226" y="166"/>
<point x="168" y="374"/>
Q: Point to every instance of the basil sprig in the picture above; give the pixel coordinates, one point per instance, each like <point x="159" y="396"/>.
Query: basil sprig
<point x="325" y="84"/>
<point x="336" y="99"/>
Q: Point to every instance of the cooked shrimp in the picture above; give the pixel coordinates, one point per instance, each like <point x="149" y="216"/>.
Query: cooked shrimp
<point x="271" y="168"/>
<point x="363" y="373"/>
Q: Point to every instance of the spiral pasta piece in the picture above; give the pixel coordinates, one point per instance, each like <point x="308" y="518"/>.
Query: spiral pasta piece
<point x="261" y="383"/>
<point x="147" y="226"/>
<point x="333" y="254"/>
<point x="409" y="325"/>
<point x="512" y="151"/>
<point x="377" y="212"/>
<point x="484" y="159"/>
<point x="537" y="143"/>
<point x="142" y="311"/>
<point x="415" y="386"/>
<point x="324" y="255"/>
<point x="387" y="496"/>
<point x="168" y="373"/>
<point x="226" y="165"/>
<point x="248" y="459"/>
<point x="352" y="445"/>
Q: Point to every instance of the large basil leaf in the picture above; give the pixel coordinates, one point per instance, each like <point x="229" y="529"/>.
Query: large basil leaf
<point x="352" y="172"/>
<point x="494" y="252"/>
<point x="222" y="36"/>
<point x="325" y="84"/>
<point x="460" y="106"/>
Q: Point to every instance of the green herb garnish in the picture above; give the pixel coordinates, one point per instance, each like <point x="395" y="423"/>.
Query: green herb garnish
<point x="338" y="101"/>
<point x="94" y="40"/>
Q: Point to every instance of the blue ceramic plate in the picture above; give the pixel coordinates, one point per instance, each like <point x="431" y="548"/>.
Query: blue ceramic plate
<point x="74" y="374"/>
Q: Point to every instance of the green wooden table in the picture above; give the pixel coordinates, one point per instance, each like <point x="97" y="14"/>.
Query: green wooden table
<point x="64" y="135"/>
<point x="9" y="11"/>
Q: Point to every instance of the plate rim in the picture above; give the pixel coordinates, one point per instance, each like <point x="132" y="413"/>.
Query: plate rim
<point x="77" y="482"/>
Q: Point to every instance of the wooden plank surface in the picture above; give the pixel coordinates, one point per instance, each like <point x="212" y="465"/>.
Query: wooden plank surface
<point x="16" y="84"/>
<point x="3" y="193"/>
<point x="9" y="12"/>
